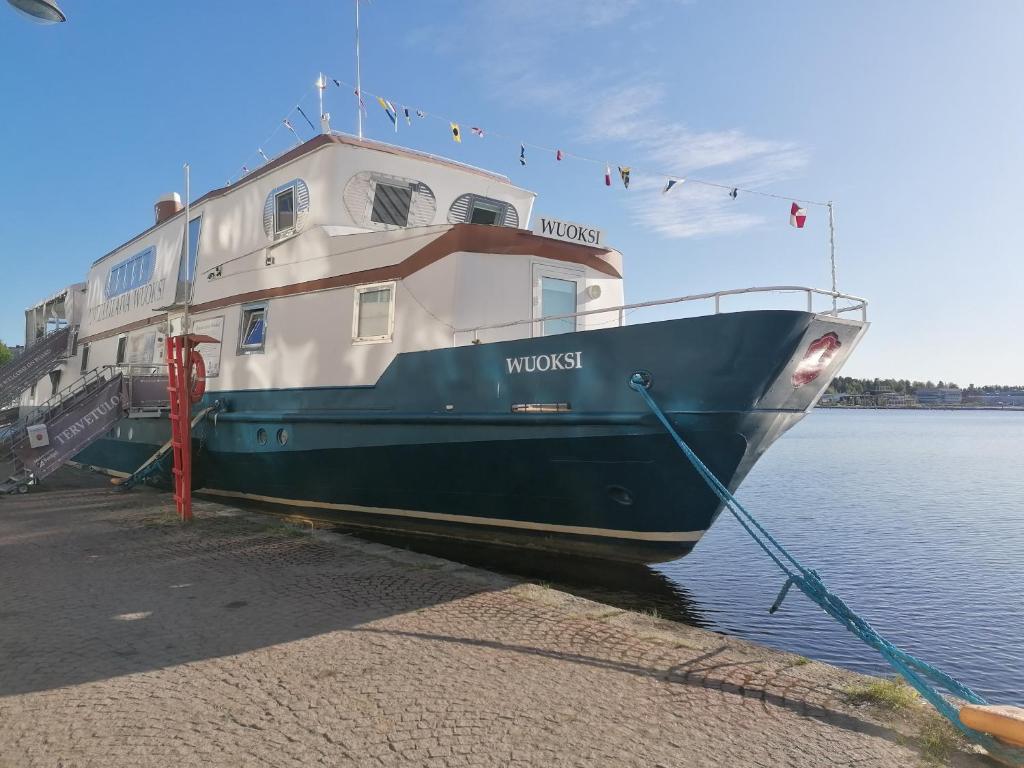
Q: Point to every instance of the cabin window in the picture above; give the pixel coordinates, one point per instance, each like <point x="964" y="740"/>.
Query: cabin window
<point x="284" y="211"/>
<point x="252" y="336"/>
<point x="374" y="313"/>
<point x="381" y="201"/>
<point x="131" y="273"/>
<point x="557" y="297"/>
<point x="187" y="267"/>
<point x="477" y="209"/>
<point x="122" y="345"/>
<point x="391" y="204"/>
<point x="74" y="342"/>
<point x="85" y="359"/>
<point x="484" y="212"/>
<point x="54" y="381"/>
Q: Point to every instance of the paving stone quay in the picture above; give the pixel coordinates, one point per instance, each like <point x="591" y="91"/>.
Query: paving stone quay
<point x="127" y="639"/>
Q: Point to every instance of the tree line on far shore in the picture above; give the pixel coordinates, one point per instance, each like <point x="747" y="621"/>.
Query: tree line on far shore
<point x="849" y="385"/>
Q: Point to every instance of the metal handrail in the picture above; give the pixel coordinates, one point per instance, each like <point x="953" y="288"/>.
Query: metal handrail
<point x="105" y="372"/>
<point x="137" y="371"/>
<point x="859" y="304"/>
<point x="142" y="369"/>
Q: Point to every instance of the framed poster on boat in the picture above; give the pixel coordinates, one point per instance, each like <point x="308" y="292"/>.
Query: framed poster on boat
<point x="141" y="347"/>
<point x="210" y="326"/>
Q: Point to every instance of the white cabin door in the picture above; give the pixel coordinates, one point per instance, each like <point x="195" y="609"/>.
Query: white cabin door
<point x="556" y="292"/>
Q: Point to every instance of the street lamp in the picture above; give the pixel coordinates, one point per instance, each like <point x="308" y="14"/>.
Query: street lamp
<point x="40" y="11"/>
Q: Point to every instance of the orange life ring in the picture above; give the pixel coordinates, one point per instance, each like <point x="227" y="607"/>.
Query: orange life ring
<point x="197" y="378"/>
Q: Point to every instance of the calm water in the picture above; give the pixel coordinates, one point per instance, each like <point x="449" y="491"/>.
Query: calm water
<point x="915" y="518"/>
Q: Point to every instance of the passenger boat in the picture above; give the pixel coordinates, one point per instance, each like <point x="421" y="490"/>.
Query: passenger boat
<point x="392" y="346"/>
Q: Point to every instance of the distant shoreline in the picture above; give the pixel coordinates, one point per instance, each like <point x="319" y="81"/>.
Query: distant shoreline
<point x="920" y="407"/>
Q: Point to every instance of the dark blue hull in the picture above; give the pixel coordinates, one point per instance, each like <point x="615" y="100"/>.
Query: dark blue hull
<point x="443" y="444"/>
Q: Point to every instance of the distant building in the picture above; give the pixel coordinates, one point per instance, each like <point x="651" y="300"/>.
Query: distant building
<point x="886" y="397"/>
<point x="850" y="399"/>
<point x="892" y="399"/>
<point x="940" y="396"/>
<point x="1013" y="397"/>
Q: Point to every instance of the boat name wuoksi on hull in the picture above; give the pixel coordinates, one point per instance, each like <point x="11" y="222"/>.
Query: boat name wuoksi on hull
<point x="390" y="345"/>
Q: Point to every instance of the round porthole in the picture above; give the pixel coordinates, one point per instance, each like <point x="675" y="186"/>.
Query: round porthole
<point x="261" y="436"/>
<point x="620" y="495"/>
<point x="282" y="436"/>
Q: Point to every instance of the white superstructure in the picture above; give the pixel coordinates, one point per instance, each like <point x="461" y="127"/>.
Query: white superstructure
<point x="320" y="267"/>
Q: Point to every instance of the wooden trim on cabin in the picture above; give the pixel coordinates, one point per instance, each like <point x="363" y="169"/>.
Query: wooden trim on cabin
<point x="468" y="238"/>
<point x="144" y="323"/>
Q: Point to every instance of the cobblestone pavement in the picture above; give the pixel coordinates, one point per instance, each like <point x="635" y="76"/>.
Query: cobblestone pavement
<point x="127" y="639"/>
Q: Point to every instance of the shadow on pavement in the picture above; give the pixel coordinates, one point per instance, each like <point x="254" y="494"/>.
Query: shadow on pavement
<point x="98" y="583"/>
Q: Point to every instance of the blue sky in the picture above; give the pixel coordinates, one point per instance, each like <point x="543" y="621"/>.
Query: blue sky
<point x="905" y="114"/>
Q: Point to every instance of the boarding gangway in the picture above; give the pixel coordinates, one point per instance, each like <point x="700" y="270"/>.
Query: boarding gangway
<point x="34" y="363"/>
<point x="47" y="436"/>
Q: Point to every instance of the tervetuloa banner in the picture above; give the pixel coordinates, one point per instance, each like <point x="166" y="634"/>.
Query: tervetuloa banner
<point x="568" y="231"/>
<point x="75" y="429"/>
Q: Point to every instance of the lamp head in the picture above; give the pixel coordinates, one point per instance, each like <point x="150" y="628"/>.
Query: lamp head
<point x="40" y="11"/>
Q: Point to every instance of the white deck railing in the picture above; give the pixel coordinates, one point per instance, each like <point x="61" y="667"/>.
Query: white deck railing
<point x="854" y="304"/>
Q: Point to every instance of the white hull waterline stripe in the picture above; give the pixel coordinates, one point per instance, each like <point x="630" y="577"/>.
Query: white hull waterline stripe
<point x="667" y="536"/>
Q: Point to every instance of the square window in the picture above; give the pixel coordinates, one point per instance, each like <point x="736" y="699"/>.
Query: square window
<point x="122" y="344"/>
<point x="85" y="359"/>
<point x="374" y="313"/>
<point x="284" y="210"/>
<point x="391" y="204"/>
<point x="253" y="332"/>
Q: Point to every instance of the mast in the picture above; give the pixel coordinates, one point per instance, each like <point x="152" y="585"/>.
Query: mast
<point x="325" y="119"/>
<point x="832" y="256"/>
<point x="359" y="80"/>
<point x="188" y="264"/>
<point x="320" y="90"/>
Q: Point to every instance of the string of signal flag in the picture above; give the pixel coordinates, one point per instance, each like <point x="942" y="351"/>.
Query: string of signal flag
<point x="396" y="114"/>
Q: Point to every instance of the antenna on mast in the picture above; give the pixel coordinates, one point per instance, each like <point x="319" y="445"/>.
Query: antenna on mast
<point x="359" y="80"/>
<point x="325" y="117"/>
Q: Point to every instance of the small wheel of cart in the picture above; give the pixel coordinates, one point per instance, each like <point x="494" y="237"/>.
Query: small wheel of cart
<point x="22" y="488"/>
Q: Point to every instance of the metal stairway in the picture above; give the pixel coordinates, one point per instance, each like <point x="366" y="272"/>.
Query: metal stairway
<point x="31" y="365"/>
<point x="72" y="419"/>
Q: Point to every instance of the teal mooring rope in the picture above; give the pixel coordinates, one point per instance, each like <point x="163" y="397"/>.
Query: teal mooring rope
<point x="921" y="675"/>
